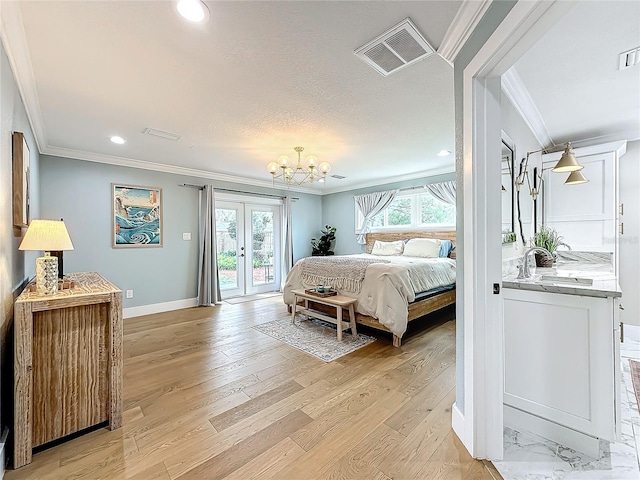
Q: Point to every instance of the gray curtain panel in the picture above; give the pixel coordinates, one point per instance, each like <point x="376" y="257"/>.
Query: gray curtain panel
<point x="443" y="191"/>
<point x="208" y="284"/>
<point x="287" y="241"/>
<point x="370" y="205"/>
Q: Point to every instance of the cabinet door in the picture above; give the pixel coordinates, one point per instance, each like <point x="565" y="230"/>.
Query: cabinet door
<point x="560" y="359"/>
<point x="70" y="370"/>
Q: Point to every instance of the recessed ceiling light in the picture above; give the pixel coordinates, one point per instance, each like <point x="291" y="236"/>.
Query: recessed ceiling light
<point x="117" y="139"/>
<point x="193" y="10"/>
<point x="444" y="153"/>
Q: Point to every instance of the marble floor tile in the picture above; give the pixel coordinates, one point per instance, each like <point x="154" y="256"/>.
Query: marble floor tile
<point x="529" y="457"/>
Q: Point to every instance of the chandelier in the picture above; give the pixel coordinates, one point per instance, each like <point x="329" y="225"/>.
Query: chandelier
<point x="298" y="175"/>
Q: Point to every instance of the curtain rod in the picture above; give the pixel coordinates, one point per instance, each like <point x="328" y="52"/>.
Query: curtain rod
<point x="200" y="187"/>
<point x="400" y="189"/>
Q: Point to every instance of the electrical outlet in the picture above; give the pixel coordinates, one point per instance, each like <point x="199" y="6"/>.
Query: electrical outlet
<point x="186" y="236"/>
<point x="129" y="294"/>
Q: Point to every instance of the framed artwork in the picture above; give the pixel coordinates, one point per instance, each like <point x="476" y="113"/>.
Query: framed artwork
<point x="21" y="174"/>
<point x="137" y="216"/>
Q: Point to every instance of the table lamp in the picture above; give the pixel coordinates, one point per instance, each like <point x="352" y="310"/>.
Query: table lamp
<point x="48" y="236"/>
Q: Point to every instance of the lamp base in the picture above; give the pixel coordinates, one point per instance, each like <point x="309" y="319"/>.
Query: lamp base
<point x="46" y="275"/>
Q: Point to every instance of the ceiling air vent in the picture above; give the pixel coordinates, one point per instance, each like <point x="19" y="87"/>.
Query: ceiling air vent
<point x="398" y="47"/>
<point x="162" y="134"/>
<point x="339" y="177"/>
<point x="629" y="58"/>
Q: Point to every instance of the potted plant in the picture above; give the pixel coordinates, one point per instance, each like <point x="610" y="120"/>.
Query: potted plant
<point x="324" y="245"/>
<point x="549" y="239"/>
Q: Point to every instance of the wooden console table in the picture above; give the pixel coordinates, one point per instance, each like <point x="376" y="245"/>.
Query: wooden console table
<point x="67" y="362"/>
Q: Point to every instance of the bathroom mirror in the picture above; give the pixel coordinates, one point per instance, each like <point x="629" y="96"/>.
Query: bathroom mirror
<point x="508" y="206"/>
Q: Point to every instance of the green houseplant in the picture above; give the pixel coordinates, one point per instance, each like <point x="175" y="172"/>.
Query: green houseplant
<point x="549" y="239"/>
<point x="324" y="245"/>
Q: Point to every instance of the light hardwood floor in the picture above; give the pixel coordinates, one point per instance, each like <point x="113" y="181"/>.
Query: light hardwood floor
<point x="208" y="397"/>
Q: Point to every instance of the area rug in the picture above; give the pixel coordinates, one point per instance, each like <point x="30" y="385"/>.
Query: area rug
<point x="635" y="379"/>
<point x="314" y="337"/>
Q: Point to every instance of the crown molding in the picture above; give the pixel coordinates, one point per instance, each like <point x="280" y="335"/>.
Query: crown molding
<point x="162" y="167"/>
<point x="192" y="172"/>
<point x="389" y="180"/>
<point x="15" y="44"/>
<point x="464" y="23"/>
<point x="517" y="93"/>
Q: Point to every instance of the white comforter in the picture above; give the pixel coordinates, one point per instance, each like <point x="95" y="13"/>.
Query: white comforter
<point x="388" y="288"/>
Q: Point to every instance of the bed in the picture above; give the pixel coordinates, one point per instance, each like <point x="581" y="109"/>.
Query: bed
<point x="399" y="304"/>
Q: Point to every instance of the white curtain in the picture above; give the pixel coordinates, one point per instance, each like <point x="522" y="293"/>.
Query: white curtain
<point x="444" y="191"/>
<point x="287" y="242"/>
<point x="370" y="205"/>
<point x="208" y="284"/>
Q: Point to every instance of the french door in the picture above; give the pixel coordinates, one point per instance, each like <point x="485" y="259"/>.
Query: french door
<point x="248" y="248"/>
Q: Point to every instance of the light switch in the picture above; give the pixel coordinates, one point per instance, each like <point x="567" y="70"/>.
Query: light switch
<point x="186" y="236"/>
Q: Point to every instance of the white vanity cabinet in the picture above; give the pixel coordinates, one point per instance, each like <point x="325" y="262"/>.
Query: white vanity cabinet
<point x="562" y="367"/>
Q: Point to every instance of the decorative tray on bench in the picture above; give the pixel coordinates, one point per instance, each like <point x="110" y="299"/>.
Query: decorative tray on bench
<point x="312" y="291"/>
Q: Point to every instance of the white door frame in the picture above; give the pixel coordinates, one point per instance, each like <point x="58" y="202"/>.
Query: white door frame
<point x="480" y="426"/>
<point x="246" y="204"/>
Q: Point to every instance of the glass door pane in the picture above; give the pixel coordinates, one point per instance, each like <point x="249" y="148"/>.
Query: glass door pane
<point x="263" y="270"/>
<point x="230" y="248"/>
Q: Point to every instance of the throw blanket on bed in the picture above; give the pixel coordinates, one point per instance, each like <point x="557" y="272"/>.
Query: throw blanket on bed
<point x="342" y="273"/>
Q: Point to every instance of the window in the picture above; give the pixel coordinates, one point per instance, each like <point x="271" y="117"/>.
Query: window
<point x="413" y="210"/>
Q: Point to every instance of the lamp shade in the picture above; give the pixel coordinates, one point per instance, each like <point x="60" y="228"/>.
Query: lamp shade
<point x="46" y="235"/>
<point x="576" y="178"/>
<point x="568" y="161"/>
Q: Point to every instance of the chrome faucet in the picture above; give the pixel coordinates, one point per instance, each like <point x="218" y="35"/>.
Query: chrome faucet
<point x="523" y="270"/>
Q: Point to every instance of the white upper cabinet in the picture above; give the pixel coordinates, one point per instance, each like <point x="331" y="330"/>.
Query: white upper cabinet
<point x="586" y="215"/>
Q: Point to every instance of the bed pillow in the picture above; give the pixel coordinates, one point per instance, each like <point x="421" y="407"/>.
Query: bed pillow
<point x="422" y="247"/>
<point x="446" y="247"/>
<point x="387" y="248"/>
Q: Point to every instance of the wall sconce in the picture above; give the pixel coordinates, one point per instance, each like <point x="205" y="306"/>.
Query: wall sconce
<point x="567" y="163"/>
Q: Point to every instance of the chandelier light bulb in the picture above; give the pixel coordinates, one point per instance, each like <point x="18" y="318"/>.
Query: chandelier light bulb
<point x="312" y="161"/>
<point x="324" y="167"/>
<point x="283" y="160"/>
<point x="273" y="168"/>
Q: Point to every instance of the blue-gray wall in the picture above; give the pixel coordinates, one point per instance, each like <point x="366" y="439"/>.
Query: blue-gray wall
<point x="338" y="210"/>
<point x="15" y="266"/>
<point x="492" y="18"/>
<point x="80" y="193"/>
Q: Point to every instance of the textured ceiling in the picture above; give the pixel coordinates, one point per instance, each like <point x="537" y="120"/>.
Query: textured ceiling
<point x="250" y="84"/>
<point x="573" y="78"/>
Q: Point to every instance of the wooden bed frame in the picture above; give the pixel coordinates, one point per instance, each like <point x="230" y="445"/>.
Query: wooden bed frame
<point x="418" y="308"/>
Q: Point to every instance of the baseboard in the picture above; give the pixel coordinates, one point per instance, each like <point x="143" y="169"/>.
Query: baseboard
<point x="3" y="443"/>
<point x="519" y="420"/>
<point x="458" y="425"/>
<point x="159" y="307"/>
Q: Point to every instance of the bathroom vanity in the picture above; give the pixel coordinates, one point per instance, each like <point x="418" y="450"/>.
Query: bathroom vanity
<point x="562" y="354"/>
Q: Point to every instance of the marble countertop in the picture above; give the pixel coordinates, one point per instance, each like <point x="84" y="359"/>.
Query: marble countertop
<point x="605" y="283"/>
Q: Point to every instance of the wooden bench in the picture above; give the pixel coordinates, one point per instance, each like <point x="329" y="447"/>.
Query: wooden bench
<point x="337" y="301"/>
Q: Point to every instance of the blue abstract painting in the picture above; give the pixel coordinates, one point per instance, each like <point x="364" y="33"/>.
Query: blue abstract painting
<point x="137" y="216"/>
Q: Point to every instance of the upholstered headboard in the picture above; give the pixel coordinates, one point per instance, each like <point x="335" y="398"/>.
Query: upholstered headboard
<point x="393" y="236"/>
